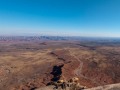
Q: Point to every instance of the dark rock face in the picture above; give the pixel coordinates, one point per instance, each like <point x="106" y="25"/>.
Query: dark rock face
<point x="56" y="72"/>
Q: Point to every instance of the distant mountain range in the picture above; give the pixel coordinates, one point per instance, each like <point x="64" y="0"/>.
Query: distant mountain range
<point x="56" y="38"/>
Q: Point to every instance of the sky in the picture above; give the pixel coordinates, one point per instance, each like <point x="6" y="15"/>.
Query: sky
<point x="91" y="18"/>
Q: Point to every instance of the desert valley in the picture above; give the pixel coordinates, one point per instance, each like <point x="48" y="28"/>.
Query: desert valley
<point x="28" y="63"/>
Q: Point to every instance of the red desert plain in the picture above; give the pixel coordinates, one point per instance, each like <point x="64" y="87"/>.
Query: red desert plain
<point x="28" y="63"/>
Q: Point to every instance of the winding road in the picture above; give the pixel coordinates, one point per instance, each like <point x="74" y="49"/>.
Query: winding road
<point x="78" y="71"/>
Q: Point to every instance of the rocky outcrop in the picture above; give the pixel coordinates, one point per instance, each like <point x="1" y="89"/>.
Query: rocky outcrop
<point x="105" y="87"/>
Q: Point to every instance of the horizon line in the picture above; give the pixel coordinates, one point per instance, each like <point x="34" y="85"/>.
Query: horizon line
<point x="80" y="36"/>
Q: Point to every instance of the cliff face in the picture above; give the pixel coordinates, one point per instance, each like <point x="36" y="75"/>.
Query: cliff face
<point x="69" y="63"/>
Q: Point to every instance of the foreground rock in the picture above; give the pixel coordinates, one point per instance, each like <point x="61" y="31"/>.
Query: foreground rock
<point x="105" y="87"/>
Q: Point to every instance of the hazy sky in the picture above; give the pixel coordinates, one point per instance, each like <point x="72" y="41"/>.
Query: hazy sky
<point x="60" y="17"/>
